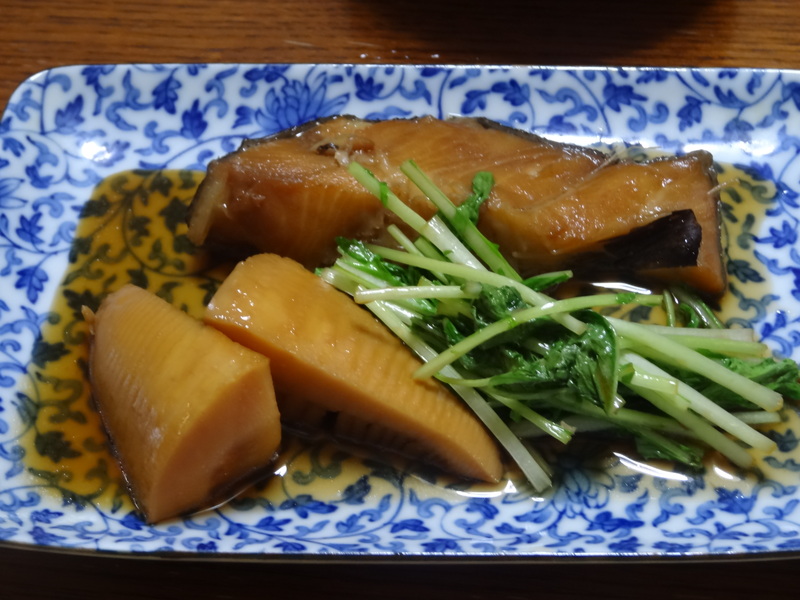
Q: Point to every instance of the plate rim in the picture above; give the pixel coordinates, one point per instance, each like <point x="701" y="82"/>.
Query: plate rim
<point x="406" y="557"/>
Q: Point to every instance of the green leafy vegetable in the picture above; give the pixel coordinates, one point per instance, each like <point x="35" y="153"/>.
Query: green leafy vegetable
<point x="468" y="211"/>
<point x="529" y="364"/>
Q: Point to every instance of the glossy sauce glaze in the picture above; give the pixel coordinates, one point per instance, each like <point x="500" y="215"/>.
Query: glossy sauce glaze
<point x="133" y="230"/>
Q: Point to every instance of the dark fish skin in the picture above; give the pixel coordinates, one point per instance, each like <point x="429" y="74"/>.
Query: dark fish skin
<point x="553" y="204"/>
<point x="670" y="241"/>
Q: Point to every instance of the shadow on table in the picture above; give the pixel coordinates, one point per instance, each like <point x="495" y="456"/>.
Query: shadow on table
<point x="553" y="32"/>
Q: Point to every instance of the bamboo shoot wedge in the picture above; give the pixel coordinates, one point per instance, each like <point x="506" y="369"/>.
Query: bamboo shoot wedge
<point x="190" y="414"/>
<point x="335" y="365"/>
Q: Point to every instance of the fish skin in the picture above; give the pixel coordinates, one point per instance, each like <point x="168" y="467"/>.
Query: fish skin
<point x="291" y="193"/>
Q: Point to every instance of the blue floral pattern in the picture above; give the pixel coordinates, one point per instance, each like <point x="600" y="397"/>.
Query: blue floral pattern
<point x="66" y="129"/>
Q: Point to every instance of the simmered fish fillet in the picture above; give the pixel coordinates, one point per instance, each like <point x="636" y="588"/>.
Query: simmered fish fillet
<point x="552" y="203"/>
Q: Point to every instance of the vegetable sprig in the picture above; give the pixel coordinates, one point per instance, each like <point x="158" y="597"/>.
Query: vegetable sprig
<point x="529" y="365"/>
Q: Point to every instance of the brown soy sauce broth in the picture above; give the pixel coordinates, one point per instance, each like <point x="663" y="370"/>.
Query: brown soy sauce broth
<point x="133" y="229"/>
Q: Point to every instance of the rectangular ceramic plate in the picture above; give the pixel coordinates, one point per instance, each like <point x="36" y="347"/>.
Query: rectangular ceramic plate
<point x="68" y="128"/>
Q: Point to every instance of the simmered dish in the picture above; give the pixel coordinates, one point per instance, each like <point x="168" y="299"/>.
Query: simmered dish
<point x="406" y="289"/>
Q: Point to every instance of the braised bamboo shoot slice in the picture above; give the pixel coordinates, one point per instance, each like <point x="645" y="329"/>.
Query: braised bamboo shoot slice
<point x="190" y="414"/>
<point x="327" y="351"/>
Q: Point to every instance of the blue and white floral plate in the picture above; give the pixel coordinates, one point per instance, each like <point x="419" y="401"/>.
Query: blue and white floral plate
<point x="66" y="129"/>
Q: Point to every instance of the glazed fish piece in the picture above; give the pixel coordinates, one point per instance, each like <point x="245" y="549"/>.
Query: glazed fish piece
<point x="623" y="202"/>
<point x="552" y="203"/>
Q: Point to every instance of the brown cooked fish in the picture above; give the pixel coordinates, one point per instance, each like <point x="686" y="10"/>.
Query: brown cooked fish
<point x="553" y="206"/>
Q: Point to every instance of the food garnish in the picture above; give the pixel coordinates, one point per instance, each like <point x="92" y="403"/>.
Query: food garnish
<point x="511" y="351"/>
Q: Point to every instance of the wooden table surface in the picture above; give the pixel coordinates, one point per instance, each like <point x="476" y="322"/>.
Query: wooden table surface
<point x="38" y="34"/>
